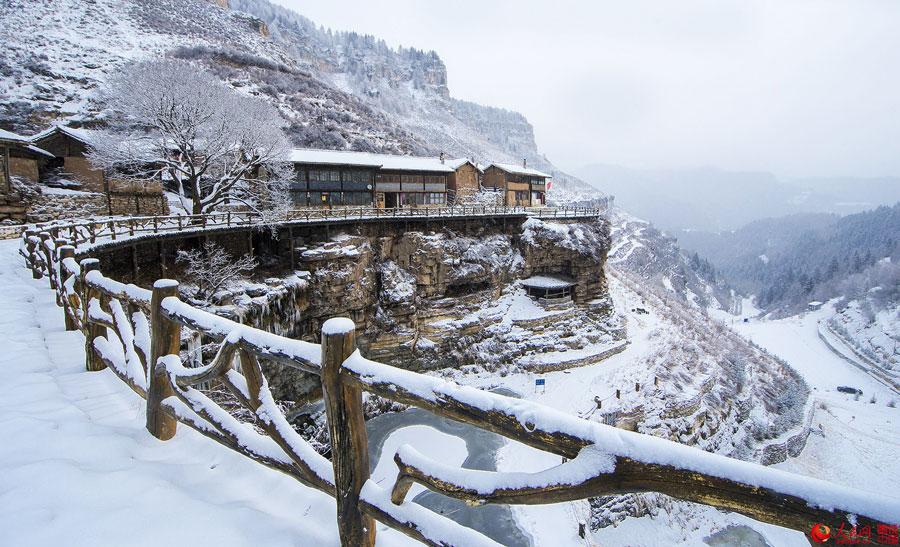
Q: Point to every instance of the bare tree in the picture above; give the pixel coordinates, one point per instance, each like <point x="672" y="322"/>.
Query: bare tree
<point x="211" y="144"/>
<point x="210" y="267"/>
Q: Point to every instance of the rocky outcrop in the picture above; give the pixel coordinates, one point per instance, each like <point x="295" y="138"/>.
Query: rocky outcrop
<point x="437" y="299"/>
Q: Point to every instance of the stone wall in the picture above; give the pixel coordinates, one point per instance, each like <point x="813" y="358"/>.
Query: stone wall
<point x="70" y="204"/>
<point x="138" y="204"/>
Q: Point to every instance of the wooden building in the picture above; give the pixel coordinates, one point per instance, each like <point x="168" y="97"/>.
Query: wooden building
<point x="333" y="178"/>
<point x="521" y="185"/>
<point x="465" y="181"/>
<point x="70" y="145"/>
<point x="18" y="158"/>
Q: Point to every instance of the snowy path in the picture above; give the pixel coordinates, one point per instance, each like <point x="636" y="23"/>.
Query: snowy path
<point x="78" y="468"/>
<point x="857" y="441"/>
<point x="796" y="340"/>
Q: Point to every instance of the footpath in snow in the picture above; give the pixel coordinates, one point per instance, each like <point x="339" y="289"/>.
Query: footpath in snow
<point x="77" y="467"/>
<point x="855" y="441"/>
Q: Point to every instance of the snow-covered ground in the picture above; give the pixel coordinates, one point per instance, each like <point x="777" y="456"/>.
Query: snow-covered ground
<point x="77" y="466"/>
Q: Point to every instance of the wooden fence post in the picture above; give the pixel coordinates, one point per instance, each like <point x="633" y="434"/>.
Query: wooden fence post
<point x="347" y="427"/>
<point x="91" y="330"/>
<point x="165" y="339"/>
<point x="66" y="251"/>
<point x="30" y="248"/>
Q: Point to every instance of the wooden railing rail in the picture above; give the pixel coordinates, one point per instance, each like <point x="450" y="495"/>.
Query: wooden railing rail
<point x="91" y="231"/>
<point x="138" y="335"/>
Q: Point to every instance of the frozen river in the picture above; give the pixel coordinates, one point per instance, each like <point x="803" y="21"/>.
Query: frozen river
<point x="448" y="441"/>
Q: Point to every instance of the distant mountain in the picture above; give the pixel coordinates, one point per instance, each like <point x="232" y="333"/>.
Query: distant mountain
<point x="789" y="261"/>
<point x="712" y="199"/>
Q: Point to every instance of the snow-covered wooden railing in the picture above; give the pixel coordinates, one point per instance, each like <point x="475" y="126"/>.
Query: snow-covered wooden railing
<point x="114" y="228"/>
<point x="137" y="334"/>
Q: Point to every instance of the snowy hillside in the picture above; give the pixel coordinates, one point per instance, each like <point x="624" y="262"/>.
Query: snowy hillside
<point x="334" y="90"/>
<point x="868" y="335"/>
<point x="643" y="250"/>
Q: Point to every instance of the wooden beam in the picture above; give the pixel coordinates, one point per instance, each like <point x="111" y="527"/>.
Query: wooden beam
<point x="165" y="339"/>
<point x="91" y="330"/>
<point x="347" y="427"/>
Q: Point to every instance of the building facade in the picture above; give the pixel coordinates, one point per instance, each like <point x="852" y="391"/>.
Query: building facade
<point x="19" y="158"/>
<point x="69" y="147"/>
<point x="464" y="182"/>
<point x="332" y="178"/>
<point x="521" y="185"/>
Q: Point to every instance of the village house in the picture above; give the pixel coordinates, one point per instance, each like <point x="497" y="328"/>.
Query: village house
<point x="465" y="180"/>
<point x="342" y="178"/>
<point x="521" y="185"/>
<point x="21" y="159"/>
<point x="69" y="147"/>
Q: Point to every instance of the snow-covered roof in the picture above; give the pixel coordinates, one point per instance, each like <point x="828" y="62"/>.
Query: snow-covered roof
<point x="10" y="136"/>
<point x="368" y="159"/>
<point x="24" y="141"/>
<point x="548" y="282"/>
<point x="519" y="170"/>
<point x="38" y="150"/>
<point x="456" y="163"/>
<point x="83" y="135"/>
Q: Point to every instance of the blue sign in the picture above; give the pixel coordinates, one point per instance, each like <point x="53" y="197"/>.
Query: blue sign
<point x="539" y="381"/>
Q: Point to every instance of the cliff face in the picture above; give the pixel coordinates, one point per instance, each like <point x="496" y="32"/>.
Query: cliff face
<point x="441" y="298"/>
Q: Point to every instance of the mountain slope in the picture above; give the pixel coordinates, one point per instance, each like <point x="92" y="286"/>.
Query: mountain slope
<point x="793" y="260"/>
<point x="334" y="90"/>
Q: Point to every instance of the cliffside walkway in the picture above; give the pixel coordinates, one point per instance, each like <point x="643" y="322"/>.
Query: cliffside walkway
<point x="80" y="233"/>
<point x="136" y="334"/>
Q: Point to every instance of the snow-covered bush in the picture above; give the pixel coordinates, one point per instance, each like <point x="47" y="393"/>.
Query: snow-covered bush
<point x="210" y="268"/>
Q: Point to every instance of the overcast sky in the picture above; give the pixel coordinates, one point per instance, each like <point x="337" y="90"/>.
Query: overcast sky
<point x="800" y="88"/>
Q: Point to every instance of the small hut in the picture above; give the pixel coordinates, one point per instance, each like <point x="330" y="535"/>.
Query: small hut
<point x="549" y="289"/>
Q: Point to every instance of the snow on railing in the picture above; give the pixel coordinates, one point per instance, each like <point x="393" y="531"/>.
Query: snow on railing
<point x="137" y="334"/>
<point x="117" y="228"/>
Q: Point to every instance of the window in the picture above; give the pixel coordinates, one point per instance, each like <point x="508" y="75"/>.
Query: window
<point x="410" y="198"/>
<point x="357" y="175"/>
<point x="435" y="198"/>
<point x="387" y="178"/>
<point x="357" y="198"/>
<point x="324" y="175"/>
<point x="298" y="198"/>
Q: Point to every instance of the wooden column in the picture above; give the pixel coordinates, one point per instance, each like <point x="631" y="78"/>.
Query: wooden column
<point x="91" y="330"/>
<point x="291" y="245"/>
<point x="48" y="259"/>
<point x="66" y="251"/>
<point x="30" y="247"/>
<point x="347" y="427"/>
<point x="165" y="339"/>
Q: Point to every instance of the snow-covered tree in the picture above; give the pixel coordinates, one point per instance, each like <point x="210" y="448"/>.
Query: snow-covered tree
<point x="210" y="144"/>
<point x="210" y="268"/>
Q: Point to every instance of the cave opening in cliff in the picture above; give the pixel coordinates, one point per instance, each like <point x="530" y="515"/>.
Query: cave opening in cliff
<point x="463" y="289"/>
